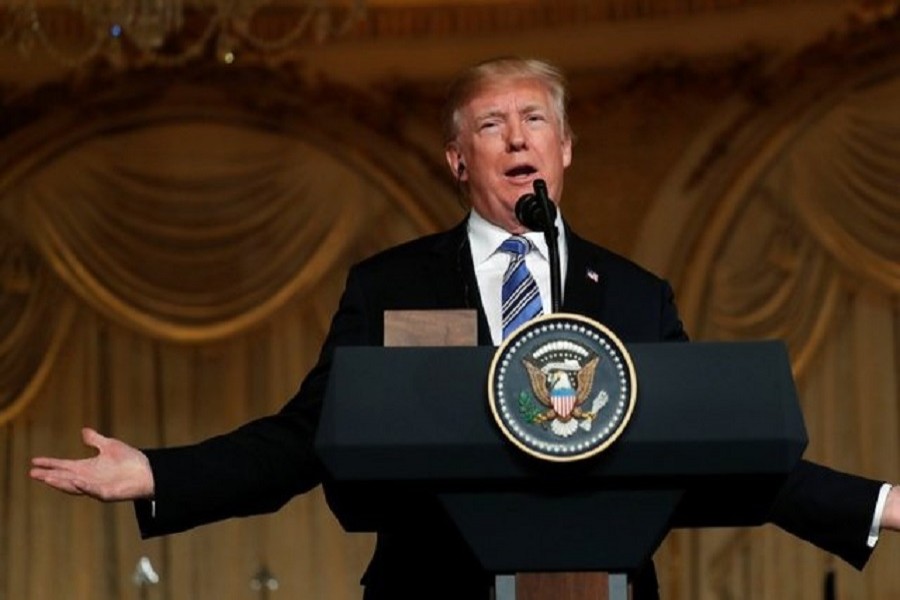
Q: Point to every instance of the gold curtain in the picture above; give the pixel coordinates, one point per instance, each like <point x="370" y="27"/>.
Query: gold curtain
<point x="165" y="281"/>
<point x="811" y="254"/>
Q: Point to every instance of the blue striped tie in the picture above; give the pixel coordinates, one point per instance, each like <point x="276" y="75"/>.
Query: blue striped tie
<point x="521" y="299"/>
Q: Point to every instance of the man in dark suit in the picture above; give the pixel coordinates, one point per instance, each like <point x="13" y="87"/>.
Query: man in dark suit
<point x="505" y="127"/>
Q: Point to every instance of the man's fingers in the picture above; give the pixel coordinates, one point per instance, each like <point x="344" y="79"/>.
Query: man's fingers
<point x="56" y="464"/>
<point x="65" y="484"/>
<point x="71" y="483"/>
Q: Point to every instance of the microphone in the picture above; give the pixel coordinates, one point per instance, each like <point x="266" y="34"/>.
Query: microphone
<point x="538" y="213"/>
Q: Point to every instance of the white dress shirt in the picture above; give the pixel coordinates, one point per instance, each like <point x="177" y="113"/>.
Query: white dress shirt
<point x="490" y="264"/>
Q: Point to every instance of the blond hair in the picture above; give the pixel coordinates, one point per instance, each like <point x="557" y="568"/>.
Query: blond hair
<point x="474" y="79"/>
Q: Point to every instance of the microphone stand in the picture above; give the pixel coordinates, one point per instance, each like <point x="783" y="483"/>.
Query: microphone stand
<point x="551" y="234"/>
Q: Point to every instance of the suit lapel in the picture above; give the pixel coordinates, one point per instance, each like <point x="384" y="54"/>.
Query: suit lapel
<point x="585" y="286"/>
<point x="451" y="276"/>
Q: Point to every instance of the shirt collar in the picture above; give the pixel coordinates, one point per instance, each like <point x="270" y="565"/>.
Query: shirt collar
<point x="485" y="237"/>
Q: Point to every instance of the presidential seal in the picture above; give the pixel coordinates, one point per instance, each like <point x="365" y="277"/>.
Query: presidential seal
<point x="562" y="387"/>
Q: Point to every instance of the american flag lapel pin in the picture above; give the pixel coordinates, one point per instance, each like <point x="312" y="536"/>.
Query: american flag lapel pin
<point x="592" y="275"/>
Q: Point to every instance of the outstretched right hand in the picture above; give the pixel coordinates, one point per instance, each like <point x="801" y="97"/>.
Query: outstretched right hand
<point x="117" y="472"/>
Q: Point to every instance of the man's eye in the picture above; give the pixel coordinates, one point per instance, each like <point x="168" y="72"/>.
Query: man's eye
<point x="488" y="125"/>
<point x="535" y="118"/>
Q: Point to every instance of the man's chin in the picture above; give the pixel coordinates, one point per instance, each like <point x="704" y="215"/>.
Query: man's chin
<point x="522" y="185"/>
<point x="506" y="222"/>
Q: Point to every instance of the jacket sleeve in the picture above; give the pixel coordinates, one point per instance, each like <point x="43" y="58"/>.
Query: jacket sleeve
<point x="259" y="466"/>
<point x="828" y="508"/>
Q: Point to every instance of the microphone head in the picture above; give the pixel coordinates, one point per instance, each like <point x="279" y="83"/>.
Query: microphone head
<point x="525" y="209"/>
<point x="535" y="214"/>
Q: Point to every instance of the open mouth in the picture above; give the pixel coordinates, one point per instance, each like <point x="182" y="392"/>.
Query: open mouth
<point x="521" y="171"/>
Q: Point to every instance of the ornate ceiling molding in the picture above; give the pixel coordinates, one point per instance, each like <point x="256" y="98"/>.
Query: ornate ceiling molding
<point x="274" y="22"/>
<point x="289" y="83"/>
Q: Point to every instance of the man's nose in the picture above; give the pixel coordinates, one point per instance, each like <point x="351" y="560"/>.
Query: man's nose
<point x="515" y="137"/>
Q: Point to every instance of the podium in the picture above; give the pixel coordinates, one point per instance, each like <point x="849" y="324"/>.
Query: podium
<point x="710" y="418"/>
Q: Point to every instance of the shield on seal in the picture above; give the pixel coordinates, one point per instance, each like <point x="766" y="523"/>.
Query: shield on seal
<point x="562" y="397"/>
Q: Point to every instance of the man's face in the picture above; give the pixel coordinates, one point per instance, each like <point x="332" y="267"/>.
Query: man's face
<point x="509" y="136"/>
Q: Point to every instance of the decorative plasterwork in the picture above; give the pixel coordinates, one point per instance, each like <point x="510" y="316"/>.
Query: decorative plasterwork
<point x="393" y="21"/>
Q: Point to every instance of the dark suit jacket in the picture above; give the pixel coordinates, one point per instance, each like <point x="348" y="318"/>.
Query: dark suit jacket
<point x="260" y="466"/>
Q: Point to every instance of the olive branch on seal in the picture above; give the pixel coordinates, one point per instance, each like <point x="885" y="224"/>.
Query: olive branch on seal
<point x="528" y="407"/>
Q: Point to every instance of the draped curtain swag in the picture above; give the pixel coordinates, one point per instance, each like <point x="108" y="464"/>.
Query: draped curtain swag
<point x="822" y="221"/>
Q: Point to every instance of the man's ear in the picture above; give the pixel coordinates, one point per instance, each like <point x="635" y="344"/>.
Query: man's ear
<point x="456" y="162"/>
<point x="567" y="151"/>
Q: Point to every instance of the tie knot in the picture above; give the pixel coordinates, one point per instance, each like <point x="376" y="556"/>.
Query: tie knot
<point x="516" y="245"/>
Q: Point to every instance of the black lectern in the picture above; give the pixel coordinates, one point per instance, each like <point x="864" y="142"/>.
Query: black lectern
<point x="709" y="417"/>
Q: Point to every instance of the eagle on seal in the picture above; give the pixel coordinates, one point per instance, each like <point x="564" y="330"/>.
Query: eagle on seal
<point x="563" y="397"/>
